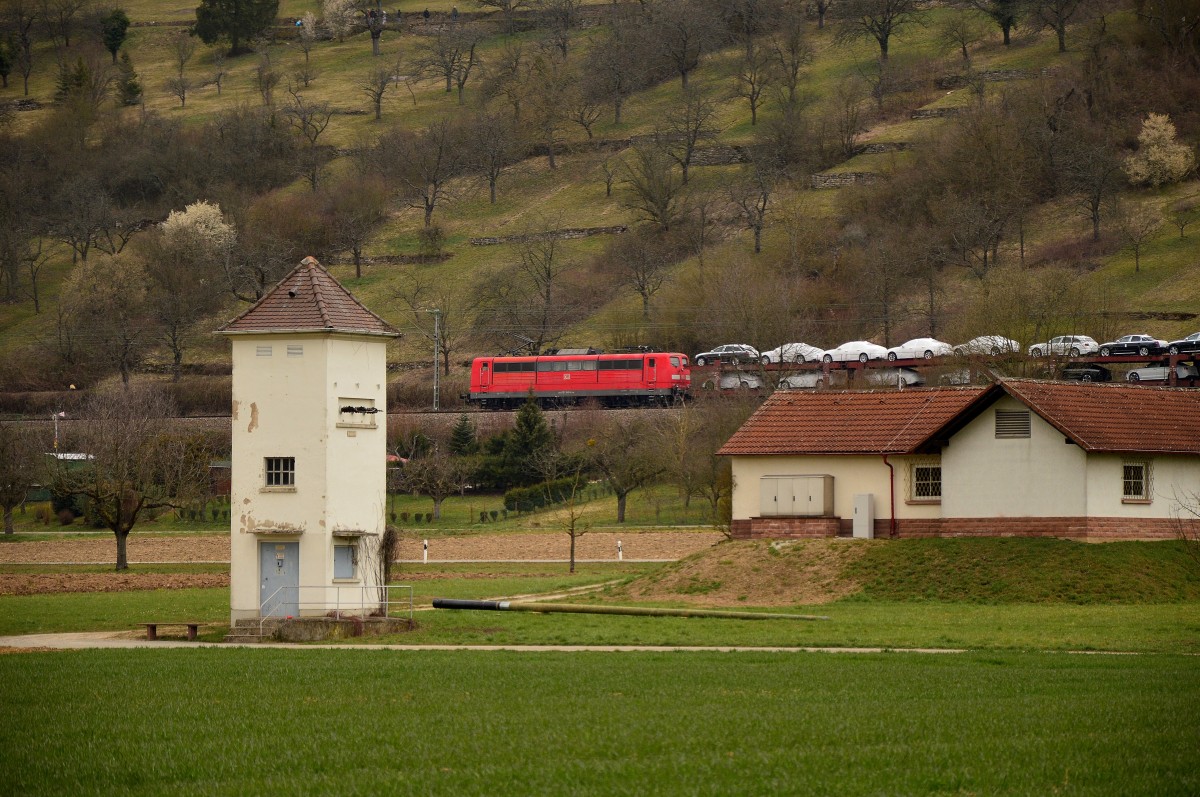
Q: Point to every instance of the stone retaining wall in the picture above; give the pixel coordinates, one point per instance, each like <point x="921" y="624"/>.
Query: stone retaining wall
<point x="841" y="179"/>
<point x="567" y="233"/>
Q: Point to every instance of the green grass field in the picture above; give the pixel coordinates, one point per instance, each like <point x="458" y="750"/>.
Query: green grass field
<point x="253" y="722"/>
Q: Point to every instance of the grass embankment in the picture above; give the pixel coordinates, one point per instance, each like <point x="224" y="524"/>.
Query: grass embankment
<point x="976" y="594"/>
<point x="270" y="722"/>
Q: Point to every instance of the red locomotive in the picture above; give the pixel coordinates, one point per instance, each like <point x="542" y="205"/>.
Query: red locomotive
<point x="614" y="380"/>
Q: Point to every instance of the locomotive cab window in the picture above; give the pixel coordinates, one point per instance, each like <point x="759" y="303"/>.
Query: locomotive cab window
<point x="675" y="362"/>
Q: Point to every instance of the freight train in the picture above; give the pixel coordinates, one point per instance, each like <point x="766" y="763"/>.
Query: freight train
<point x="612" y="380"/>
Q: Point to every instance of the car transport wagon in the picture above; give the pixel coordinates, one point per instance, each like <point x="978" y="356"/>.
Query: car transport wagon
<point x="613" y="380"/>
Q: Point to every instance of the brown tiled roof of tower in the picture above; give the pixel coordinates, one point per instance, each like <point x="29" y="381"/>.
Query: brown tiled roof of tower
<point x="308" y="299"/>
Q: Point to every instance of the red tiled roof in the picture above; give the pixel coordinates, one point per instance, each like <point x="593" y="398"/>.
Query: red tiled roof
<point x="309" y="300"/>
<point x="849" y="422"/>
<point x="1116" y="417"/>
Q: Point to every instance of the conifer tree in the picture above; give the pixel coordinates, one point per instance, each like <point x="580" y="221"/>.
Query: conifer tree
<point x="463" y="441"/>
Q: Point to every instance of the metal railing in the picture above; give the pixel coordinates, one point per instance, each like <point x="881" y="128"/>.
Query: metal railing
<point x="371" y="601"/>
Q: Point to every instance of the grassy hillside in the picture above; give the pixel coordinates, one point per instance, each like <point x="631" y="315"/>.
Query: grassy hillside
<point x="533" y="196"/>
<point x="986" y="571"/>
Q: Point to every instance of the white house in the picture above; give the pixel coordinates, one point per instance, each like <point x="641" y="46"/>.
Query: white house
<point x="1018" y="458"/>
<point x="308" y="481"/>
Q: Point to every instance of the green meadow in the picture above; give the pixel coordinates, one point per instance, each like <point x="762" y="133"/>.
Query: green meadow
<point x="250" y="722"/>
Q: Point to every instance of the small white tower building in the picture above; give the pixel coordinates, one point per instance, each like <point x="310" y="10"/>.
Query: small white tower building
<point x="308" y="492"/>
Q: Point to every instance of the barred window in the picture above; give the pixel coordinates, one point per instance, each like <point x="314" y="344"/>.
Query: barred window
<point x="281" y="471"/>
<point x="926" y="482"/>
<point x="1135" y="481"/>
<point x="1011" y="424"/>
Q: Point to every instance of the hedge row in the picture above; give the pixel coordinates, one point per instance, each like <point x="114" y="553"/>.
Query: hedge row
<point x="526" y="499"/>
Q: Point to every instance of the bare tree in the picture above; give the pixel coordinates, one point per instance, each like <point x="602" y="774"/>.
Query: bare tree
<point x="753" y="76"/>
<point x="424" y="162"/>
<point x="565" y="476"/>
<point x="683" y="31"/>
<point x="559" y="19"/>
<point x="309" y="120"/>
<point x="1056" y="15"/>
<point x="20" y="17"/>
<point x="79" y="212"/>
<point x="752" y="193"/>
<point x="656" y="192"/>
<point x="375" y="19"/>
<point x="423" y="295"/>
<point x="450" y="54"/>
<point x="307" y="35"/>
<point x="961" y="31"/>
<point x="185" y="259"/>
<point x="1091" y="171"/>
<point x="541" y="267"/>
<point x="135" y="462"/>
<point x="877" y="19"/>
<point x="60" y="18"/>
<point x="612" y="72"/>
<point x="789" y="52"/>
<point x="1184" y="213"/>
<point x="689" y="439"/>
<point x="106" y="301"/>
<point x="437" y="475"/>
<point x="22" y="465"/>
<point x="183" y="47"/>
<point x="640" y="262"/>
<point x="1003" y="12"/>
<point x="266" y="78"/>
<point x="376" y="84"/>
<point x="508" y="75"/>
<point x="1185" y="520"/>
<point x="583" y="106"/>
<point x="220" y="70"/>
<point x="355" y="207"/>
<point x="821" y="7"/>
<point x="494" y="145"/>
<point x="549" y="105"/>
<point x="1137" y="223"/>
<point x="688" y="125"/>
<point x="622" y="449"/>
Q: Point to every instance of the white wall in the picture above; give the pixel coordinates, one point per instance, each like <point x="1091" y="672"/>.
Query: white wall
<point x="288" y="407"/>
<point x="1171" y="477"/>
<point x="852" y="475"/>
<point x="1038" y="476"/>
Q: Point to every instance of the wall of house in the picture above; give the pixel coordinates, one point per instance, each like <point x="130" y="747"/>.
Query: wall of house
<point x="1038" y="476"/>
<point x="852" y="475"/>
<point x="1172" y="477"/>
<point x="285" y="406"/>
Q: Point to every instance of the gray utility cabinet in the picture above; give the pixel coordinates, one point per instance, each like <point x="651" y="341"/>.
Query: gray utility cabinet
<point x="796" y="496"/>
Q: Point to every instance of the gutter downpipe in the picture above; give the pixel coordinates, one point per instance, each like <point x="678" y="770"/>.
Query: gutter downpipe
<point x="891" y="496"/>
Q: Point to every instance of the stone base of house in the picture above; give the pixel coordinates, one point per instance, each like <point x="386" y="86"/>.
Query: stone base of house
<point x="1096" y="529"/>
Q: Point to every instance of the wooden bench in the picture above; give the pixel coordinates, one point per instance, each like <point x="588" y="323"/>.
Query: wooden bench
<point x="152" y="629"/>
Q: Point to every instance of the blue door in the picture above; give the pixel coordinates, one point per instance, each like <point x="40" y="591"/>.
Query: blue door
<point x="279" y="572"/>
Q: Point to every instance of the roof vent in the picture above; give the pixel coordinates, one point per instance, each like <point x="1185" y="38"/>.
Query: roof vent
<point x="292" y="293"/>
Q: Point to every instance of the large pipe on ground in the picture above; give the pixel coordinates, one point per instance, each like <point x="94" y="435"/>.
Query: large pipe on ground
<point x="639" y="611"/>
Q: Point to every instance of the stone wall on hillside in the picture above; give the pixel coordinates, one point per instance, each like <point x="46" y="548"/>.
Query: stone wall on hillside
<point x="565" y="234"/>
<point x="841" y="179"/>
